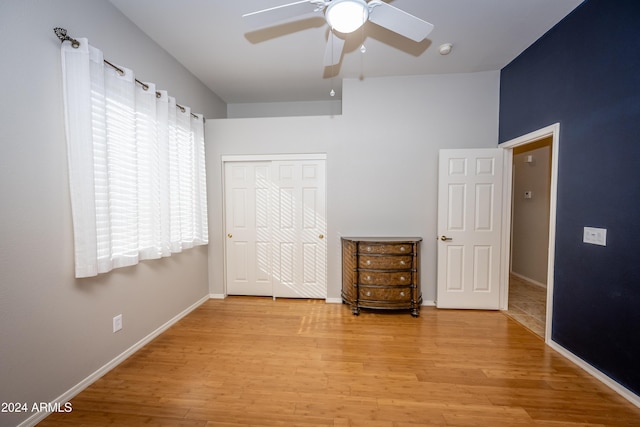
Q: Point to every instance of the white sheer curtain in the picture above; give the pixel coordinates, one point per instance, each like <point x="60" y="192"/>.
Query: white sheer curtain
<point x="136" y="166"/>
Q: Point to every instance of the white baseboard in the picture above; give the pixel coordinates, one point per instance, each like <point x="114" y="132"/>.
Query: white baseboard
<point x="613" y="385"/>
<point x="429" y="303"/>
<point x="217" y="296"/>
<point x="75" y="390"/>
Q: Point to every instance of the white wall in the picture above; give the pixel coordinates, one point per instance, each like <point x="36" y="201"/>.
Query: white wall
<point x="56" y="330"/>
<point x="381" y="158"/>
<point x="530" y="222"/>
<point x="284" y="109"/>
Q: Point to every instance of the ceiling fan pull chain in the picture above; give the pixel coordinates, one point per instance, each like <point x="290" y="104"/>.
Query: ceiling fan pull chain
<point x="363" y="48"/>
<point x="332" y="93"/>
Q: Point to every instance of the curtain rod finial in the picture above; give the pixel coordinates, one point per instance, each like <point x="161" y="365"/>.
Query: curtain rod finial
<point x="61" y="33"/>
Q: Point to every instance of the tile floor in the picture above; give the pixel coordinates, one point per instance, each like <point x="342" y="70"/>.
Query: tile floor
<point x="527" y="304"/>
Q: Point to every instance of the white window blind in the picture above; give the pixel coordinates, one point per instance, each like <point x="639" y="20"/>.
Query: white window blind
<point x="136" y="166"/>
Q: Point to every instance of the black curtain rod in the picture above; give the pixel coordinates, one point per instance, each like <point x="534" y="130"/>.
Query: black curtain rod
<point x="61" y="33"/>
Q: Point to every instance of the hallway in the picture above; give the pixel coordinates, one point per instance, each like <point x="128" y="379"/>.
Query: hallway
<point x="527" y="304"/>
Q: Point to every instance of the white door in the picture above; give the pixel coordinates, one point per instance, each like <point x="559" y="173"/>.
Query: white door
<point x="275" y="225"/>
<point x="299" y="228"/>
<point x="248" y="228"/>
<point x="469" y="228"/>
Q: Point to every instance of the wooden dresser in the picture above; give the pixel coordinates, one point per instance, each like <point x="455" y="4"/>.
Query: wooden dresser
<point x="382" y="273"/>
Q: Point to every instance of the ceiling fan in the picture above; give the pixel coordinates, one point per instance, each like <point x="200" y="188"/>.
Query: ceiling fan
<point x="344" y="17"/>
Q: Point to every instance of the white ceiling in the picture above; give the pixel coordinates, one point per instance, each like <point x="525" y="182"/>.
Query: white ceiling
<point x="284" y="63"/>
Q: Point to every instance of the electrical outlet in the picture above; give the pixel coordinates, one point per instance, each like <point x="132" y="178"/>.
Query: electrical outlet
<point x="595" y="236"/>
<point x="117" y="323"/>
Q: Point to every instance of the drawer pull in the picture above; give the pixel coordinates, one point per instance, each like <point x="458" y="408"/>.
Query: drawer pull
<point x="368" y="293"/>
<point x="401" y="294"/>
<point x="402" y="249"/>
<point x="403" y="278"/>
<point x="402" y="263"/>
<point x="368" y="248"/>
<point x="368" y="278"/>
<point x="368" y="262"/>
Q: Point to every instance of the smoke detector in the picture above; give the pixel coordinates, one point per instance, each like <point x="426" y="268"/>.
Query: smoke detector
<point x="445" y="48"/>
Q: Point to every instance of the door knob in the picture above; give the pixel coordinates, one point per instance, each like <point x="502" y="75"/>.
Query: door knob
<point x="229" y="235"/>
<point x="445" y="238"/>
<point x="321" y="236"/>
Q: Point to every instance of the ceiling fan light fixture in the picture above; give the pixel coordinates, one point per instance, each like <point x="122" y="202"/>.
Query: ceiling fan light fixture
<point x="346" y="16"/>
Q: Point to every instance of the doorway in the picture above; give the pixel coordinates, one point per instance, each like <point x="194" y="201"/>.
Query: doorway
<point x="530" y="234"/>
<point x="531" y="170"/>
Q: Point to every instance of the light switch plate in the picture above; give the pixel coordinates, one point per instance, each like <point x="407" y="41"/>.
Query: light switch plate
<point x="595" y="236"/>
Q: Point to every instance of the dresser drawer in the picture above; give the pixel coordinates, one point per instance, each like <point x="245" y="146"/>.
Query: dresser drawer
<point x="398" y="262"/>
<point x="385" y="278"/>
<point x="390" y="294"/>
<point x="387" y="248"/>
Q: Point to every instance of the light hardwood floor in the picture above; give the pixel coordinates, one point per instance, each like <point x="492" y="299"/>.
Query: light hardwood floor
<point x="254" y="361"/>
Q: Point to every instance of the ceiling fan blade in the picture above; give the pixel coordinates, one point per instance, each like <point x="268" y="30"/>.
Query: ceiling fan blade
<point x="398" y="21"/>
<point x="333" y="52"/>
<point x="278" y="14"/>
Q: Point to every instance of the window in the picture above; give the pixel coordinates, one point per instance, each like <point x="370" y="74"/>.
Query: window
<point x="136" y="166"/>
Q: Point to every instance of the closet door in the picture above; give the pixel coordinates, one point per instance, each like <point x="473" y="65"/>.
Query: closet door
<point x="299" y="228"/>
<point x="248" y="228"/>
<point x="275" y="225"/>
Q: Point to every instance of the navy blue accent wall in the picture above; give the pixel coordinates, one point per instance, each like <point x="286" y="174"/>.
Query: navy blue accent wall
<point x="585" y="74"/>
